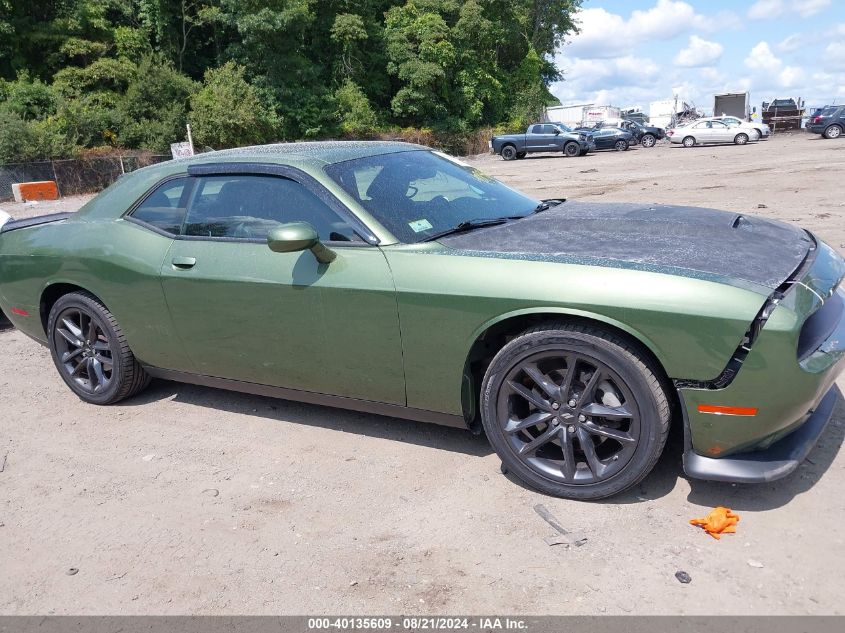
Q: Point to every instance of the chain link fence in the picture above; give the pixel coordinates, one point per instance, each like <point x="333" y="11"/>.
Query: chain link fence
<point x="75" y="175"/>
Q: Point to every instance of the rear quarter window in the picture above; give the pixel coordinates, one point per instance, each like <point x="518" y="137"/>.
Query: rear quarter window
<point x="165" y="207"/>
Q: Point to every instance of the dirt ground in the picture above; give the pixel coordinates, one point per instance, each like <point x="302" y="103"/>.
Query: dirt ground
<point x="188" y="500"/>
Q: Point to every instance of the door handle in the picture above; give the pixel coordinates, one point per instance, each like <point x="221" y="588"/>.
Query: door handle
<point x="184" y="263"/>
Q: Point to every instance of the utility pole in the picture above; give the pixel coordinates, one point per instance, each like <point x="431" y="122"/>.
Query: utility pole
<point x="190" y="138"/>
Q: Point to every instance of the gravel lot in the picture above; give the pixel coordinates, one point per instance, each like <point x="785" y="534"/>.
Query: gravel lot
<point x="191" y="500"/>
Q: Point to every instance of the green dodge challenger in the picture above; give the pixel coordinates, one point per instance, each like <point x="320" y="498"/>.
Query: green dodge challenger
<point x="392" y="279"/>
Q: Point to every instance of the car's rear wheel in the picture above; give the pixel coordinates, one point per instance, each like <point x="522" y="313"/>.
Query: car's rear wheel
<point x="689" y="141"/>
<point x="574" y="411"/>
<point x="834" y="131"/>
<point x="741" y="139"/>
<point x="648" y="140"/>
<point x="621" y="145"/>
<point x="509" y="152"/>
<point x="571" y="149"/>
<point x="90" y="351"/>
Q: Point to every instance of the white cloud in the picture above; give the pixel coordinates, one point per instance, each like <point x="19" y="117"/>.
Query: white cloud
<point x="835" y="52"/>
<point x="791" y="43"/>
<point x="604" y="34"/>
<point x="699" y="52"/>
<point x="770" y="70"/>
<point x="761" y="58"/>
<point x="766" y="9"/>
<point x="619" y="59"/>
<point x="763" y="9"/>
<point x="807" y="8"/>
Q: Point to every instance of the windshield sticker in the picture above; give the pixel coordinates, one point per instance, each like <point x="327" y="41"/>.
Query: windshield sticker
<point x="418" y="226"/>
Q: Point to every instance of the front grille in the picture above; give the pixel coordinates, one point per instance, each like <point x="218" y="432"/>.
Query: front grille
<point x="820" y="325"/>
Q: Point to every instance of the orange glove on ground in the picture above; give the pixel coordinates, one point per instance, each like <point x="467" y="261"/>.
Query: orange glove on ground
<point x="721" y="520"/>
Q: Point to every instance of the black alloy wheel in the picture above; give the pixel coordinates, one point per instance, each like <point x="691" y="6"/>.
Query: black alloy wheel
<point x="574" y="411"/>
<point x="571" y="149"/>
<point x="91" y="352"/>
<point x="84" y="350"/>
<point x="509" y="152"/>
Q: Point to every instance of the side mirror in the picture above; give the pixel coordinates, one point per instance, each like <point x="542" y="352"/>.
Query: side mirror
<point x="299" y="236"/>
<point x="557" y="131"/>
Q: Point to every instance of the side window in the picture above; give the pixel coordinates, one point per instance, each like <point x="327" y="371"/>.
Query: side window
<point x="537" y="129"/>
<point x="164" y="208"/>
<point x="248" y="207"/>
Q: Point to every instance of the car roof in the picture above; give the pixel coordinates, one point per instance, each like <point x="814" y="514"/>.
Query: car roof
<point x="313" y="152"/>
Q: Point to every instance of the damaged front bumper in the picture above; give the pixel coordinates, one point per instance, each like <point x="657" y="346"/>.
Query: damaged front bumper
<point x="764" y="423"/>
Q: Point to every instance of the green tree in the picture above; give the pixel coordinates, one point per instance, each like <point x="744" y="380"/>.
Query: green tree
<point x="354" y="111"/>
<point x="155" y="107"/>
<point x="227" y="111"/>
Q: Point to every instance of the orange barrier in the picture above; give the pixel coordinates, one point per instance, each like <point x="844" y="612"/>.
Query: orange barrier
<point x="42" y="190"/>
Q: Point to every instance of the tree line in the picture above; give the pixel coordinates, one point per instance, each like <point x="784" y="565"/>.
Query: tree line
<point x="79" y="75"/>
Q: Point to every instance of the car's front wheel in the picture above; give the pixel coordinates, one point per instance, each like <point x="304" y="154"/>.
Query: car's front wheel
<point x="621" y="145"/>
<point x="509" y="152"/>
<point x="648" y="140"/>
<point x="834" y="131"/>
<point x="91" y="352"/>
<point x="574" y="411"/>
<point x="571" y="149"/>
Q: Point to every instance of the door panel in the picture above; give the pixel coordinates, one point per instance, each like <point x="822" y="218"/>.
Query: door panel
<point x="246" y="313"/>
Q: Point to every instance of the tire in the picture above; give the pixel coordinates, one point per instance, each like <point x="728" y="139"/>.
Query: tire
<point x="521" y="155"/>
<point x="83" y="334"/>
<point x="834" y="131"/>
<point x="689" y="141"/>
<point x="509" y="152"/>
<point x="571" y="149"/>
<point x="741" y="138"/>
<point x="648" y="140"/>
<point x="533" y="435"/>
<point x="621" y="145"/>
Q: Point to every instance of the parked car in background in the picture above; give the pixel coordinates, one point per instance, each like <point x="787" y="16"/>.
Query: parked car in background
<point x="830" y="122"/>
<point x="609" y="137"/>
<point x="704" y="131"/>
<point x="542" y="137"/>
<point x="645" y="135"/>
<point x="391" y="279"/>
<point x="759" y="128"/>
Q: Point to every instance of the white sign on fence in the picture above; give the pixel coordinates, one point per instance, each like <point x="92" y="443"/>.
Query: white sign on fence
<point x="181" y="150"/>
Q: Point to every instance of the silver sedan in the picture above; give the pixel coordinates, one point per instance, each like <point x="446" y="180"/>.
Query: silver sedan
<point x="709" y="131"/>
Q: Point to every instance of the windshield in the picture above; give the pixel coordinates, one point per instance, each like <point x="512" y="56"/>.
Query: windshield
<point x="418" y="193"/>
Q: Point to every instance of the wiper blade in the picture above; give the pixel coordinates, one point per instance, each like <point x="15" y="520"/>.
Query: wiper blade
<point x="548" y="204"/>
<point x="467" y="225"/>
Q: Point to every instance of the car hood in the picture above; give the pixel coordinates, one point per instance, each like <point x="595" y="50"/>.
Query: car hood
<point x="688" y="241"/>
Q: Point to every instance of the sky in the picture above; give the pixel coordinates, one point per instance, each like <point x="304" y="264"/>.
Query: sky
<point x="632" y="52"/>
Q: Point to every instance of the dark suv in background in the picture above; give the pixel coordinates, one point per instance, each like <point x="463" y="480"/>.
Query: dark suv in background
<point x="829" y="122"/>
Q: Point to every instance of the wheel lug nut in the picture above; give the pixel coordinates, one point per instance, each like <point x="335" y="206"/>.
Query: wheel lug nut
<point x="582" y="418"/>
<point x="572" y="403"/>
<point x="555" y="422"/>
<point x="555" y="405"/>
<point x="571" y="429"/>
